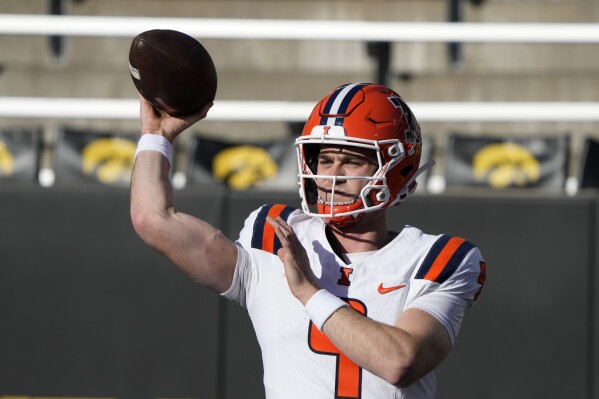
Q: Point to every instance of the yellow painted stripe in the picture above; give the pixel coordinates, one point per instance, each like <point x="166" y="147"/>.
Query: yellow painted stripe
<point x="52" y="397"/>
<point x="67" y="397"/>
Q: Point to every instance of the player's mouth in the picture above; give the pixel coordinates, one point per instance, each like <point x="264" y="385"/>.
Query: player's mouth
<point x="338" y="194"/>
<point x="336" y="203"/>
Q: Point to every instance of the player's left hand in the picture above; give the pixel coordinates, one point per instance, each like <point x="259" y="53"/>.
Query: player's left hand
<point x="300" y="277"/>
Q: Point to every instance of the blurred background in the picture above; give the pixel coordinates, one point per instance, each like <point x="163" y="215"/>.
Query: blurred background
<point x="510" y="114"/>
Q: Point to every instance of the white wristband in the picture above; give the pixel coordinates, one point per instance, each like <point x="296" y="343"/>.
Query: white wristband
<point x="155" y="142"/>
<point x="321" y="306"/>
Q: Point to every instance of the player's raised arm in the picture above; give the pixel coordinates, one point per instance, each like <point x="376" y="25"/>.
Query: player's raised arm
<point x="196" y="247"/>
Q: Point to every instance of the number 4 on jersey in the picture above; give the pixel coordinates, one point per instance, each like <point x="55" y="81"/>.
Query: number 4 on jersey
<point x="348" y="382"/>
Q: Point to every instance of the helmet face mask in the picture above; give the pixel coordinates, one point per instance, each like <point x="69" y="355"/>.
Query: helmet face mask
<point x="365" y="117"/>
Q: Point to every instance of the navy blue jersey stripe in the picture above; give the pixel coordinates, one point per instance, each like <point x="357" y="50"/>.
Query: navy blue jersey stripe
<point x="432" y="255"/>
<point x="260" y="222"/>
<point x="259" y="226"/>
<point x="455" y="261"/>
<point x="284" y="215"/>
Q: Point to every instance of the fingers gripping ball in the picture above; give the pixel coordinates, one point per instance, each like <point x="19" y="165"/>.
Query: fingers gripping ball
<point x="172" y="70"/>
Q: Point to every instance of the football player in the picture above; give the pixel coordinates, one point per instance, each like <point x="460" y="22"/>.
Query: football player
<point x="342" y="306"/>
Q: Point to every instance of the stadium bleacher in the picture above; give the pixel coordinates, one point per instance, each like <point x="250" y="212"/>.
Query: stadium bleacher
<point x="295" y="70"/>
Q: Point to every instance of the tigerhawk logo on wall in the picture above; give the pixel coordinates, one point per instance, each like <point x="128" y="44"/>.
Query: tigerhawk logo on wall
<point x="268" y="164"/>
<point x="506" y="164"/>
<point x="243" y="166"/>
<point x="7" y="160"/>
<point x="110" y="160"/>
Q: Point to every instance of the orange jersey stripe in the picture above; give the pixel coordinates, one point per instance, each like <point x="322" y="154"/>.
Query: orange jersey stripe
<point x="446" y="253"/>
<point x="268" y="236"/>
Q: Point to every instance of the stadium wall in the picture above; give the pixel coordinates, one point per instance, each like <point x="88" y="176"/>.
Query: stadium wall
<point x="88" y="310"/>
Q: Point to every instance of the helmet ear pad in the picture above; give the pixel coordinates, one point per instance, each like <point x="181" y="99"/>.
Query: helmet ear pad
<point x="398" y="177"/>
<point x="311" y="192"/>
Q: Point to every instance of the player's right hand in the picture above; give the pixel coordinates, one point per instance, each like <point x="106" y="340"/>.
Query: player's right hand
<point x="299" y="275"/>
<point x="159" y="122"/>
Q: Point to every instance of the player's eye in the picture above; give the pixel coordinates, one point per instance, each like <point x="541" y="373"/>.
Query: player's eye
<point x="355" y="162"/>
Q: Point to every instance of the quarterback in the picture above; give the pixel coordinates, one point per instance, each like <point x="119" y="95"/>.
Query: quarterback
<point x="342" y="306"/>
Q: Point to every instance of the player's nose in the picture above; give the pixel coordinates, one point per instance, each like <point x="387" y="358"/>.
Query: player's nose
<point x="339" y="178"/>
<point x="337" y="170"/>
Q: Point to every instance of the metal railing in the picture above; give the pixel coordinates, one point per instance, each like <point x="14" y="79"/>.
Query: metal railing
<point x="268" y="29"/>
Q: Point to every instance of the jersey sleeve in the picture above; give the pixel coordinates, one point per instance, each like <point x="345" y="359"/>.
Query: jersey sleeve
<point x="256" y="243"/>
<point x="258" y="234"/>
<point x="449" y="281"/>
<point x="242" y="279"/>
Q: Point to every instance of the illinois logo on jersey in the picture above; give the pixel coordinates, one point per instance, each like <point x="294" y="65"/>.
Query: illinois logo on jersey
<point x="109" y="159"/>
<point x="345" y="273"/>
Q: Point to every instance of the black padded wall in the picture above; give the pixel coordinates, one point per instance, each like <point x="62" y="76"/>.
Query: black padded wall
<point x="88" y="310"/>
<point x="528" y="335"/>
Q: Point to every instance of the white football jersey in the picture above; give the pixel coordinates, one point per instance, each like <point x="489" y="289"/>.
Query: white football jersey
<point x="440" y="274"/>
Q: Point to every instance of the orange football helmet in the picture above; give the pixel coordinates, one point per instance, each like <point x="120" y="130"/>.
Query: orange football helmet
<point x="362" y="115"/>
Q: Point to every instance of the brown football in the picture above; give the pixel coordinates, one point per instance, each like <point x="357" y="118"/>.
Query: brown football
<point x="172" y="70"/>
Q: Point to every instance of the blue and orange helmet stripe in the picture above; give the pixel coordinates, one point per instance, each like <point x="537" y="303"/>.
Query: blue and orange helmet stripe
<point x="336" y="106"/>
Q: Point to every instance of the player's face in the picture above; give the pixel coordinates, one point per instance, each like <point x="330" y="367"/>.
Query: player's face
<point x="344" y="161"/>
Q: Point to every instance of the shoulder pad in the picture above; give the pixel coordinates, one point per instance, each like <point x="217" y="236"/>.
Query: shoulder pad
<point x="263" y="234"/>
<point x="443" y="258"/>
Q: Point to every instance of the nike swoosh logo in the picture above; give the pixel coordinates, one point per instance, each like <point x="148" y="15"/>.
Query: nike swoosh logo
<point x="385" y="290"/>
